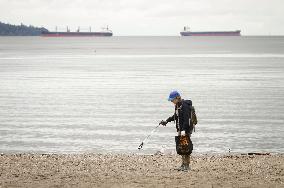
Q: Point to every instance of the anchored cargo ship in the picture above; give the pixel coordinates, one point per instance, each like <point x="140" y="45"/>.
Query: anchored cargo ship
<point x="187" y="32"/>
<point x="105" y="33"/>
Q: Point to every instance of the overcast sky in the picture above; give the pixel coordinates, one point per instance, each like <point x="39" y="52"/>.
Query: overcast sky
<point x="149" y="17"/>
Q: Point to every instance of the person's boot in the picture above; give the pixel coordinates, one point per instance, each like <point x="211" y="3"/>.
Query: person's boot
<point x="186" y="168"/>
<point x="180" y="168"/>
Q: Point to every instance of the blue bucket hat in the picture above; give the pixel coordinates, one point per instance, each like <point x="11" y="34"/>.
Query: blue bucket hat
<point x="173" y="95"/>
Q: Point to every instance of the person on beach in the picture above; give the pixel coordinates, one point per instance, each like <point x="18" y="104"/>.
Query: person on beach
<point x="184" y="125"/>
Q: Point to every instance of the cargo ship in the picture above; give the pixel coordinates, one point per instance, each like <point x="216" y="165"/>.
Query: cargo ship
<point x="187" y="32"/>
<point x="104" y="33"/>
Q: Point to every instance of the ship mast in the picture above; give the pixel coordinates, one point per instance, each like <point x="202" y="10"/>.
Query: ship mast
<point x="186" y="28"/>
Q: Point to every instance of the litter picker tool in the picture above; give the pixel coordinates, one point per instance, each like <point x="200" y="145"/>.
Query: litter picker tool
<point x="142" y="143"/>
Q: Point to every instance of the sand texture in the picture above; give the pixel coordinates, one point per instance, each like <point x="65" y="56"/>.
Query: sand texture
<point x="111" y="170"/>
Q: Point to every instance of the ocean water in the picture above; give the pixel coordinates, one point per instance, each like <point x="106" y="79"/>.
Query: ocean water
<point x="105" y="95"/>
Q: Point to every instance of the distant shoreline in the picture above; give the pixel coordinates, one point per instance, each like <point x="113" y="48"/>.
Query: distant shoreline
<point x="20" y="30"/>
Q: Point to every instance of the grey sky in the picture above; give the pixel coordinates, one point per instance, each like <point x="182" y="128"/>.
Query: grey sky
<point x="149" y="17"/>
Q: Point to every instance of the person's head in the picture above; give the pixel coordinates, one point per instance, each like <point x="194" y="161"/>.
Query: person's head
<point x="174" y="97"/>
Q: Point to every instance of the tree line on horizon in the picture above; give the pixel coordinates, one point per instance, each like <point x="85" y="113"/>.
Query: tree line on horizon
<point x="20" y="30"/>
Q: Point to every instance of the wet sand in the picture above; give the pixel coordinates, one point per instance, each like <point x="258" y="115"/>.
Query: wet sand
<point x="97" y="170"/>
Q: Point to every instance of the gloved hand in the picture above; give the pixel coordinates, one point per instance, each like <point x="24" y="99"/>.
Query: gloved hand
<point x="164" y="123"/>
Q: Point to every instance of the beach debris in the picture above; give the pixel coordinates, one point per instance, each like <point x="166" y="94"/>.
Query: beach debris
<point x="253" y="153"/>
<point x="159" y="153"/>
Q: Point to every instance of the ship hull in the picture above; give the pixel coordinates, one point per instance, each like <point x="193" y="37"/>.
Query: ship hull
<point x="211" y="33"/>
<point x="76" y="34"/>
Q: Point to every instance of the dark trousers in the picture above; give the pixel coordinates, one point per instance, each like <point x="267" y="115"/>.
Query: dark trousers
<point x="185" y="159"/>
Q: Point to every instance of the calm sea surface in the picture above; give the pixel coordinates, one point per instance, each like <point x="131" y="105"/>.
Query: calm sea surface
<point x="81" y="95"/>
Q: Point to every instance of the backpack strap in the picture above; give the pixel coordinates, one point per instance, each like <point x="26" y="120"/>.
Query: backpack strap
<point x="193" y="117"/>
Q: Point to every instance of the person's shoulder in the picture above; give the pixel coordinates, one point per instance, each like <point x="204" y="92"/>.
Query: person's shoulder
<point x="187" y="102"/>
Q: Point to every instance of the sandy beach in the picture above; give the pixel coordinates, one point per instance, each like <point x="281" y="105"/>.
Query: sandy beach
<point x="98" y="170"/>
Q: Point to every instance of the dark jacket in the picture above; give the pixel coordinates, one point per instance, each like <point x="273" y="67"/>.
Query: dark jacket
<point x="182" y="115"/>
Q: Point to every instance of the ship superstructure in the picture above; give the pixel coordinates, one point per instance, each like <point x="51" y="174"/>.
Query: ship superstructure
<point x="104" y="33"/>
